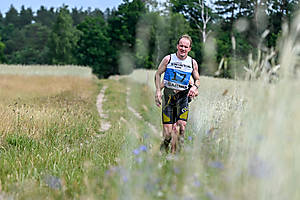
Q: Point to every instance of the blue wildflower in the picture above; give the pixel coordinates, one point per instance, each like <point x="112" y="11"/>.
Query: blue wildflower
<point x="53" y="182"/>
<point x="136" y="151"/>
<point x="259" y="168"/>
<point x="146" y="135"/>
<point x="139" y="160"/>
<point x="190" y="138"/>
<point x="176" y="170"/>
<point x="197" y="183"/>
<point x="125" y="179"/>
<point x="216" y="164"/>
<point x="143" y="148"/>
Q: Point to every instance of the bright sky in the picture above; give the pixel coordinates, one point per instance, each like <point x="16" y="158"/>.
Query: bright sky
<point x="36" y="4"/>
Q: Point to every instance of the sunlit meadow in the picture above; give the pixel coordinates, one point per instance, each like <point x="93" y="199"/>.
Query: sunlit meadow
<point x="49" y="134"/>
<point x="241" y="141"/>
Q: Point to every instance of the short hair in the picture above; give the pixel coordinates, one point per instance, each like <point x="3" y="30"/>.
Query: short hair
<point x="187" y="37"/>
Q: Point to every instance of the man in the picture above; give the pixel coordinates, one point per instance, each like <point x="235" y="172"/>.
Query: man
<point x="178" y="69"/>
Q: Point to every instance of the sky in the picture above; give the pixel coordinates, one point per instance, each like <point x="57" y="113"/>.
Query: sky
<point x="36" y="4"/>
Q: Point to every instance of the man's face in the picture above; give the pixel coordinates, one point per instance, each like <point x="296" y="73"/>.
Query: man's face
<point x="183" y="48"/>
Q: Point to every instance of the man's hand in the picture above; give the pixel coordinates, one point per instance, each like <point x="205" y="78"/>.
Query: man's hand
<point x="193" y="92"/>
<point x="158" y="98"/>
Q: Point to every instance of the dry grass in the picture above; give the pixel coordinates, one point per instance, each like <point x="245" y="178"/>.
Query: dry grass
<point x="34" y="101"/>
<point x="46" y="70"/>
<point x="13" y="86"/>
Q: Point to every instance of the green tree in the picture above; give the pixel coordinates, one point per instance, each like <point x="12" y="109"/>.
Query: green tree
<point x="93" y="46"/>
<point x="2" y="46"/>
<point x="33" y="49"/>
<point x="11" y="16"/>
<point x="1" y="20"/>
<point x="78" y="16"/>
<point x="63" y="39"/>
<point x="157" y="36"/>
<point x="13" y="40"/>
<point x="122" y="27"/>
<point x="45" y="17"/>
<point x="25" y="17"/>
<point x="279" y="11"/>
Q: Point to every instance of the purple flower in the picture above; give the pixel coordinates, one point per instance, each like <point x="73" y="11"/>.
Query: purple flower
<point x="146" y="136"/>
<point x="190" y="138"/>
<point x="125" y="179"/>
<point x="139" y="160"/>
<point x="136" y="152"/>
<point x="143" y="148"/>
<point x="216" y="164"/>
<point x="197" y="183"/>
<point x="176" y="170"/>
<point x="53" y="182"/>
<point x="259" y="168"/>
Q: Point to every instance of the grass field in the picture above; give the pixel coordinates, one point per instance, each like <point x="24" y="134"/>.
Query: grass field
<point x="241" y="140"/>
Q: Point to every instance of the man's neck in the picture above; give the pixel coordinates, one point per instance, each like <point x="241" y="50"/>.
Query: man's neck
<point x="180" y="57"/>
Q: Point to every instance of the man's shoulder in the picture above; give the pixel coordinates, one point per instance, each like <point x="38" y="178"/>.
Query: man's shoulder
<point x="167" y="58"/>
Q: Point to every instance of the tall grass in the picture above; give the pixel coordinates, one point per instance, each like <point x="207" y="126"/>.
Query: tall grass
<point x="241" y="142"/>
<point x="50" y="143"/>
<point x="44" y="70"/>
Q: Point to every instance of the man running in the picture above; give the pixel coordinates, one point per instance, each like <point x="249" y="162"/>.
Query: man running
<point x="178" y="69"/>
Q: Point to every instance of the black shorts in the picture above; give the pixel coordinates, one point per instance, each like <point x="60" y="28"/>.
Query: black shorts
<point x="175" y="106"/>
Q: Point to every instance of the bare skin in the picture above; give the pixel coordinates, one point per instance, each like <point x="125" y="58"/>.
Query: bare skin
<point x="177" y="129"/>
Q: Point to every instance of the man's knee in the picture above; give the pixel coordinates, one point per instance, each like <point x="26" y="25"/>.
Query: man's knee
<point x="182" y="124"/>
<point x="167" y="130"/>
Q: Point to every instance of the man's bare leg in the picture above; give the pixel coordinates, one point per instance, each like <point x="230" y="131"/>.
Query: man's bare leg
<point x="182" y="125"/>
<point x="167" y="134"/>
<point x="174" y="141"/>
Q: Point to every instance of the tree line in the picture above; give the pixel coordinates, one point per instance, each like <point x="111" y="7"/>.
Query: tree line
<point x="138" y="33"/>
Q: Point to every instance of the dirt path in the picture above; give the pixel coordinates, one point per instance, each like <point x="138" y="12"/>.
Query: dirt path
<point x="105" y="125"/>
<point x="138" y="115"/>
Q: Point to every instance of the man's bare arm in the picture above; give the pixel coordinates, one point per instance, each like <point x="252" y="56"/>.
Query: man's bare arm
<point x="194" y="89"/>
<point x="161" y="69"/>
<point x="196" y="75"/>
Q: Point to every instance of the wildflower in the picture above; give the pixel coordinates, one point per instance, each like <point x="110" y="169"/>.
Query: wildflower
<point x="125" y="179"/>
<point x="190" y="138"/>
<point x="216" y="165"/>
<point x="143" y="148"/>
<point x="259" y="168"/>
<point x="53" y="182"/>
<point x="112" y="170"/>
<point x="176" y="170"/>
<point x="197" y="183"/>
<point x="146" y="135"/>
<point x="139" y="160"/>
<point x="136" y="152"/>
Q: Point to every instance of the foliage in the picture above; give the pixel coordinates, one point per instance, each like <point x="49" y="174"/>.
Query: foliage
<point x="2" y="47"/>
<point x="93" y="48"/>
<point x="63" y="39"/>
<point x="122" y="26"/>
<point x="31" y="45"/>
<point x="143" y="31"/>
<point x="45" y="17"/>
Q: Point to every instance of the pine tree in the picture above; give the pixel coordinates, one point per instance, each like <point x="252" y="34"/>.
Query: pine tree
<point x="93" y="47"/>
<point x="63" y="38"/>
<point x="25" y="17"/>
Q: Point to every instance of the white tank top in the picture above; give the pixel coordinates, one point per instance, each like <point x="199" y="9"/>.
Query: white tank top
<point x="178" y="73"/>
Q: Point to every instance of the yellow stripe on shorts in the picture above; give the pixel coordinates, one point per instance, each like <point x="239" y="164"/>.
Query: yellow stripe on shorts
<point x="184" y="115"/>
<point x="166" y="118"/>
